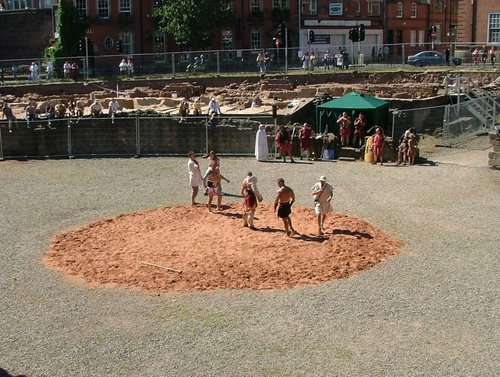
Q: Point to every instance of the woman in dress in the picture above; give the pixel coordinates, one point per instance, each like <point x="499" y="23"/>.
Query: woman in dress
<point x="195" y="178"/>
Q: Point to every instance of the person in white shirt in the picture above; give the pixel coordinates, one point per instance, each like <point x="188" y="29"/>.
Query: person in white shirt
<point x="113" y="109"/>
<point x="322" y="193"/>
<point x="213" y="108"/>
<point x="34" y="71"/>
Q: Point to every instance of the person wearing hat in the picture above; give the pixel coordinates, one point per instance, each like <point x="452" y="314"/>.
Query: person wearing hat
<point x="322" y="193"/>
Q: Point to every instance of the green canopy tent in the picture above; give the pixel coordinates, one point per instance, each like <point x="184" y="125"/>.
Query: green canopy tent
<point x="376" y="111"/>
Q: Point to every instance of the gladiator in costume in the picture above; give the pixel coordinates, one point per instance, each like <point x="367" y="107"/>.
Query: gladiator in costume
<point x="283" y="141"/>
<point x="285" y="198"/>
<point x="305" y="137"/>
<point x="359" y="130"/>
<point x="345" y="129"/>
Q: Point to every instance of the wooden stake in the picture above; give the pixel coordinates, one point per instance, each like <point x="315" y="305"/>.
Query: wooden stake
<point x="160" y="266"/>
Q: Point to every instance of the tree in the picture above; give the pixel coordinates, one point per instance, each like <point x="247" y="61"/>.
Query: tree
<point x="193" y="22"/>
<point x="70" y="29"/>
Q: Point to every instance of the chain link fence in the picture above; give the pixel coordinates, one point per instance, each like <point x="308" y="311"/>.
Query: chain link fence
<point x="189" y="63"/>
<point x="129" y="137"/>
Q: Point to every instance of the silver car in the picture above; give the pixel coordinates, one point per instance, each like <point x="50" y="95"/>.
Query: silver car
<point x="431" y="58"/>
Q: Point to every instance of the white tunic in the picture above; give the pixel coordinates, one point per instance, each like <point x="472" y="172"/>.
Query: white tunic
<point x="261" y="149"/>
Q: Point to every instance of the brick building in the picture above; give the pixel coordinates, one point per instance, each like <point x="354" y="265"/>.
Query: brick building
<point x="257" y="24"/>
<point x="479" y="22"/>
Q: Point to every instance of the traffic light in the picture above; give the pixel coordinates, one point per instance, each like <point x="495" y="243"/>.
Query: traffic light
<point x="119" y="46"/>
<point x="81" y="46"/>
<point x="310" y="36"/>
<point x="354" y="35"/>
<point x="361" y="34"/>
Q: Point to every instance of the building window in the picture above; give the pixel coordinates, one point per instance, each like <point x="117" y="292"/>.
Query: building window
<point x="81" y="7"/>
<point x="438" y="6"/>
<point x="256" y="40"/>
<point x="413" y="10"/>
<point x="494" y="28"/>
<point x="103" y="9"/>
<point x="413" y="38"/>
<point x="421" y="37"/>
<point x="399" y="10"/>
<point x="280" y="3"/>
<point x="374" y="8"/>
<point x="310" y="7"/>
<point x="357" y="6"/>
<point x="125" y="6"/>
<point x="160" y="47"/>
<point x="255" y="6"/>
<point x="127" y="43"/>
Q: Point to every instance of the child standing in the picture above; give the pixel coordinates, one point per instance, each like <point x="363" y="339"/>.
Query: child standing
<point x="249" y="206"/>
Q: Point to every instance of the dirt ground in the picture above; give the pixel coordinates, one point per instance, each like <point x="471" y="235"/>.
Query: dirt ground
<point x="208" y="251"/>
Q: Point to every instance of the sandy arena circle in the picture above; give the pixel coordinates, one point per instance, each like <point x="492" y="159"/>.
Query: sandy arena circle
<point x="187" y="248"/>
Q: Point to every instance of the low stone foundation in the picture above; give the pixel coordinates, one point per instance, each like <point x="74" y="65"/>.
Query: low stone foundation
<point x="494" y="156"/>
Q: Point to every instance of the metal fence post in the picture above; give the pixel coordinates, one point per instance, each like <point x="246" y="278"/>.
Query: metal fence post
<point x="70" y="152"/>
<point x="218" y="63"/>
<point x="206" y="137"/>
<point x="137" y="137"/>
<point x="173" y="64"/>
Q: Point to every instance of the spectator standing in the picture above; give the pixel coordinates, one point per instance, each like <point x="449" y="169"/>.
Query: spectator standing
<point x="50" y="70"/>
<point x="66" y="70"/>
<point x="306" y="61"/>
<point x="484" y="54"/>
<point x="339" y="58"/>
<point x="492" y="56"/>
<point x="2" y="78"/>
<point x="14" y="70"/>
<point x="130" y="68"/>
<point x="123" y="67"/>
<point x="260" y="62"/>
<point x="476" y="54"/>
<point x="326" y="60"/>
<point x="34" y="71"/>
<point x="386" y="54"/>
<point x="75" y="71"/>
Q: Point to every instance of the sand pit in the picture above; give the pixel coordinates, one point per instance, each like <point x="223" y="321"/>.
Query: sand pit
<point x="197" y="250"/>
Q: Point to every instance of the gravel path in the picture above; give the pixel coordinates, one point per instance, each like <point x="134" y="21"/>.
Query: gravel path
<point x="433" y="310"/>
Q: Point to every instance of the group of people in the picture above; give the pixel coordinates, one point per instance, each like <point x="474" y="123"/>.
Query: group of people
<point x="185" y="108"/>
<point x="407" y="148"/>
<point x="482" y="55"/>
<point x="126" y="67"/>
<point x="313" y="59"/>
<point x="263" y="61"/>
<point x="322" y="193"/>
<point x="347" y="134"/>
<point x="211" y="180"/>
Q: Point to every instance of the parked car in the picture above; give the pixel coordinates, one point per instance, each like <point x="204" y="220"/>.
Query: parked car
<point x="431" y="58"/>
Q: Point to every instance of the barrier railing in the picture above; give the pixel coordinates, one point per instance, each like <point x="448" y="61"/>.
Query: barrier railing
<point x="188" y="63"/>
<point x="129" y="136"/>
